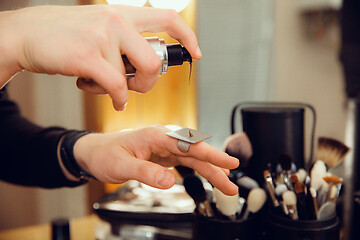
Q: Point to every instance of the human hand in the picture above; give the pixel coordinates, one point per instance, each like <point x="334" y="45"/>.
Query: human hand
<point x="87" y="42"/>
<point x="145" y="154"/>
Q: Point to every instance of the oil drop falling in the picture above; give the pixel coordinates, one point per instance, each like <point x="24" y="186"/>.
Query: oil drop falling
<point x="191" y="62"/>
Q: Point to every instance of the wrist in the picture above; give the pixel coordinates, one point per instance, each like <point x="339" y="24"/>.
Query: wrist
<point x="67" y="156"/>
<point x="9" y="47"/>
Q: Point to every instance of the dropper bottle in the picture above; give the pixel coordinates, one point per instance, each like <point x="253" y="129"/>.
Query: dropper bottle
<point x="169" y="54"/>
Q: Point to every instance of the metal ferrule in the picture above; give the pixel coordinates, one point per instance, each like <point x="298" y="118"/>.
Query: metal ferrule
<point x="159" y="46"/>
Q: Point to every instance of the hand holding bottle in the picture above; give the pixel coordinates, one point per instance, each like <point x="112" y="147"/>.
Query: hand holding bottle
<point x="87" y="42"/>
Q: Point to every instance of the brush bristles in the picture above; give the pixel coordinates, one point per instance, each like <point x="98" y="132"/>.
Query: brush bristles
<point x="227" y="205"/>
<point x="238" y="145"/>
<point x="331" y="151"/>
<point x="313" y="192"/>
<point x="293" y="178"/>
<point x="246" y="182"/>
<point x="280" y="189"/>
<point x="289" y="198"/>
<point x="266" y="174"/>
<point x="195" y="188"/>
<point x="285" y="161"/>
<point x="301" y="174"/>
<point x="256" y="200"/>
<point x="333" y="180"/>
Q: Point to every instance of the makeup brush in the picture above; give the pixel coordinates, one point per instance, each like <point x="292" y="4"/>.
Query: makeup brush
<point x="194" y="187"/>
<point x="333" y="194"/>
<point x="318" y="171"/>
<point x="301" y="174"/>
<point x="313" y="195"/>
<point x="238" y="145"/>
<point x="327" y="211"/>
<point x="255" y="201"/>
<point x="227" y="205"/>
<point x="293" y="179"/>
<point x="285" y="162"/>
<point x="184" y="171"/>
<point x="270" y="188"/>
<point x="242" y="204"/>
<point x="289" y="199"/>
<point x="334" y="187"/>
<point x="331" y="151"/>
<point x="299" y="189"/>
<point x="278" y="169"/>
<point x="246" y="184"/>
<point x="279" y="190"/>
<point x="311" y="205"/>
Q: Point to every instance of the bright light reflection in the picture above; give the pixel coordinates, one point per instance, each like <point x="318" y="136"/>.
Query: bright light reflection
<point x="173" y="127"/>
<point x="177" y="5"/>
<point x="135" y="3"/>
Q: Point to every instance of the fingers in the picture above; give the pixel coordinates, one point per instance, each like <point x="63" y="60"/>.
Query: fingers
<point x="145" y="60"/>
<point x="204" y="152"/>
<point x="108" y="78"/>
<point x="159" y="20"/>
<point x="149" y="173"/>
<point x="90" y="86"/>
<point x="216" y="176"/>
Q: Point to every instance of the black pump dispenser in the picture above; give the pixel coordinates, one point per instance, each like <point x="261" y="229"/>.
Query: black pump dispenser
<point x="177" y="55"/>
<point x="169" y="54"/>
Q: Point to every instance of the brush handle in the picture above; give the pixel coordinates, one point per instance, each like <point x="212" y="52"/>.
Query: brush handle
<point x="302" y="206"/>
<point x="311" y="208"/>
<point x="271" y="192"/>
<point x="204" y="209"/>
<point x="246" y="214"/>
<point x="292" y="212"/>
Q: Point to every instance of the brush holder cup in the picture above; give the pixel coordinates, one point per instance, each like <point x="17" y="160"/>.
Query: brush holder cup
<point x="273" y="129"/>
<point x="205" y="228"/>
<point x="278" y="228"/>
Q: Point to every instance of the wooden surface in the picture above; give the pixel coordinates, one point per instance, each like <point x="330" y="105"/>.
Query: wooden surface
<point x="82" y="228"/>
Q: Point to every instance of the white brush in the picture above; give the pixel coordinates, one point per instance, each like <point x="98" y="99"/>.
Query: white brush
<point x="301" y="174"/>
<point x="289" y="199"/>
<point x="255" y="201"/>
<point x="246" y="182"/>
<point x="227" y="205"/>
<point x="280" y="189"/>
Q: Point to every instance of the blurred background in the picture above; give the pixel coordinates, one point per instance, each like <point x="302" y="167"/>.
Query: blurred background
<point x="253" y="50"/>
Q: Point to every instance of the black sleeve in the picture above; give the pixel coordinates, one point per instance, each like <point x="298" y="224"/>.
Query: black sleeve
<point x="28" y="152"/>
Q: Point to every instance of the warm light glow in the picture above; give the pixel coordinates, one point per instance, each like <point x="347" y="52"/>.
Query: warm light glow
<point x="177" y="5"/>
<point x="173" y="127"/>
<point x="136" y="3"/>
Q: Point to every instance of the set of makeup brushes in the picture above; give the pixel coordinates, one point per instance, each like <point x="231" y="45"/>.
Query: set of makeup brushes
<point x="212" y="203"/>
<point x="294" y="193"/>
<point x="307" y="195"/>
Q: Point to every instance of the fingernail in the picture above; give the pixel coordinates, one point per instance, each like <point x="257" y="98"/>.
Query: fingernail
<point x="122" y="108"/>
<point x="198" y="51"/>
<point x="165" y="178"/>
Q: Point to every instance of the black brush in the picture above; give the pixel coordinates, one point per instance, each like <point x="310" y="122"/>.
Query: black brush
<point x="195" y="188"/>
<point x="184" y="171"/>
<point x="311" y="206"/>
<point x="299" y="189"/>
<point x="285" y="162"/>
